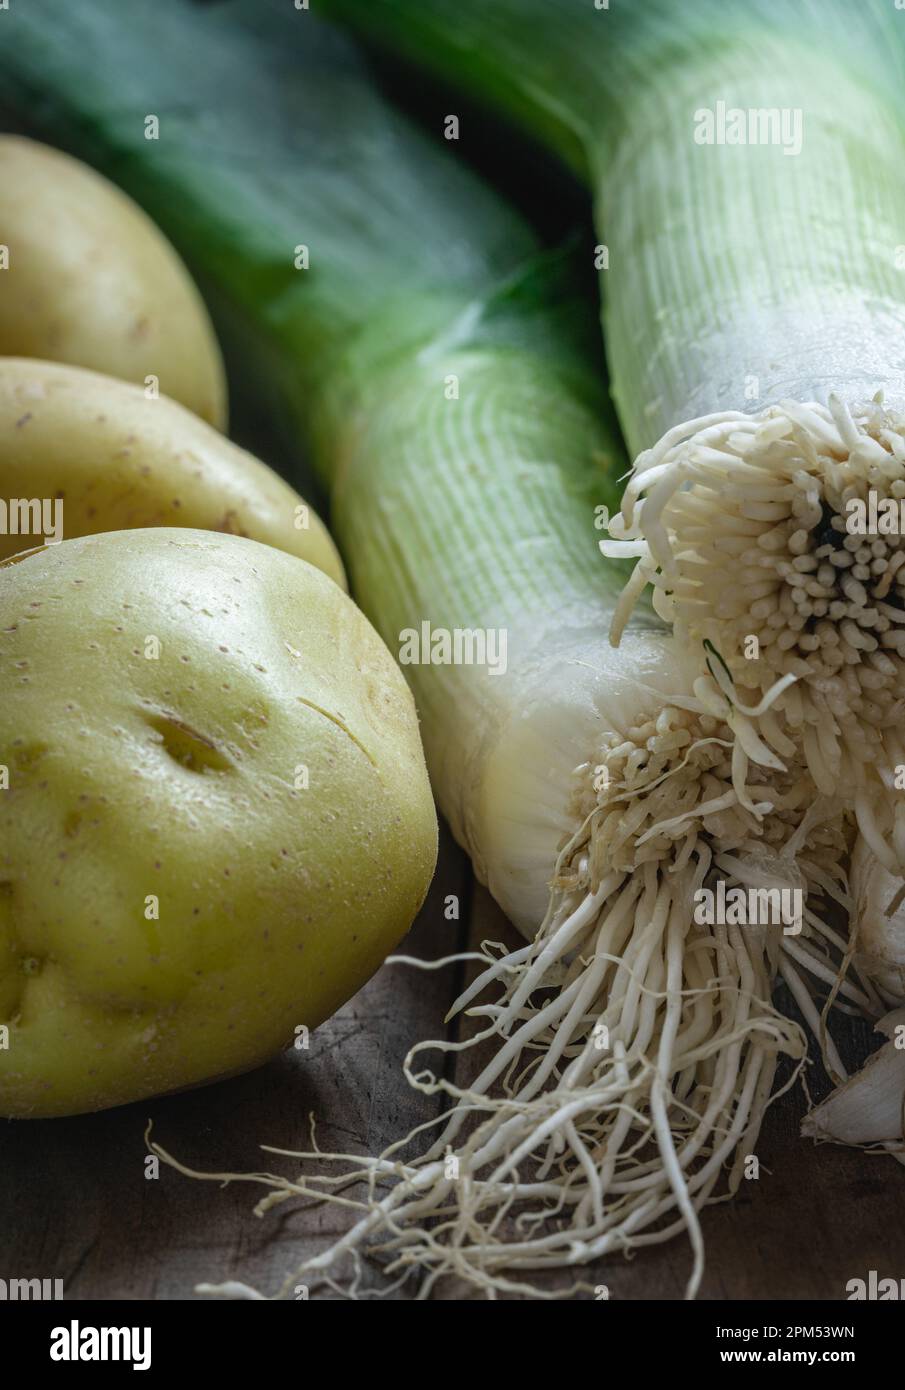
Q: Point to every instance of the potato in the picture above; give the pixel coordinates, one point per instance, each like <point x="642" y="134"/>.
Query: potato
<point x="217" y="821"/>
<point x="117" y="460"/>
<point x="91" y="281"/>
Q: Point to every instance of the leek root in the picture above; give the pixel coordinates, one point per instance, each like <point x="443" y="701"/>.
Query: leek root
<point x="746" y="541"/>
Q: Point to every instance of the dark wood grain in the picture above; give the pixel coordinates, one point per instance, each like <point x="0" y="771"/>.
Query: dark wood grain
<point x="75" y="1202"/>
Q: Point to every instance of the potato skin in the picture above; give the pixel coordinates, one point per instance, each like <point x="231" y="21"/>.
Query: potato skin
<point x="176" y="779"/>
<point x="121" y="460"/>
<point x="93" y="282"/>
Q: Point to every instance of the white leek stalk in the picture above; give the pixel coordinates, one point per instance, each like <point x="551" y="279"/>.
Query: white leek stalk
<point x="776" y="291"/>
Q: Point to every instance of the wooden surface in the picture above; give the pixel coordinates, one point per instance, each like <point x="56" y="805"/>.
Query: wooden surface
<point x="75" y="1203"/>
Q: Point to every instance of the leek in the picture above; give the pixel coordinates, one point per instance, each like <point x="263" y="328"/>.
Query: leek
<point x="759" y="273"/>
<point x="436" y="367"/>
<point x="744" y="159"/>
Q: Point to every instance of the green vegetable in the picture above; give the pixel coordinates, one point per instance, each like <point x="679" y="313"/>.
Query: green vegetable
<point x="439" y="373"/>
<point x="744" y="158"/>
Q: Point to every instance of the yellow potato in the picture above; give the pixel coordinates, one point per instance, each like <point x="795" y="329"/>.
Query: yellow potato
<point x="217" y="821"/>
<point x="116" y="459"/>
<point x="91" y="281"/>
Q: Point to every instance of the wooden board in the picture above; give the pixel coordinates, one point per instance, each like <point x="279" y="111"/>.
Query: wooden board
<point x="75" y="1202"/>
